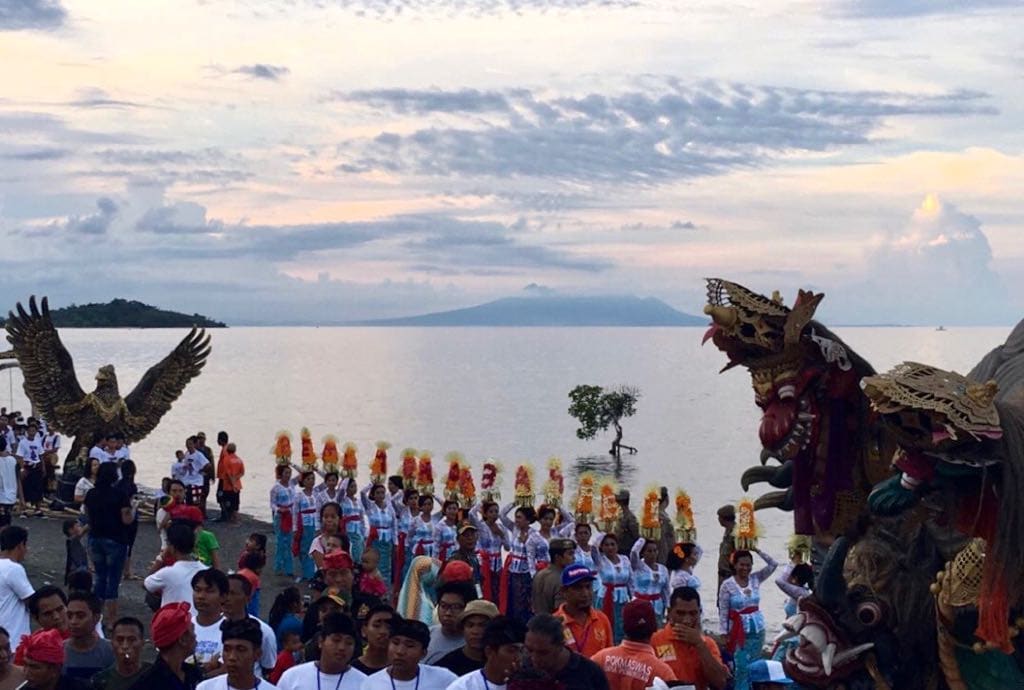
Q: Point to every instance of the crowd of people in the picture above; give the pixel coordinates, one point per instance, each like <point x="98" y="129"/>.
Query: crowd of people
<point x="393" y="588"/>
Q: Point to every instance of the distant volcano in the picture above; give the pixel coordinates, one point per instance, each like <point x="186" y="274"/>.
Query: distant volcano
<point x="554" y="310"/>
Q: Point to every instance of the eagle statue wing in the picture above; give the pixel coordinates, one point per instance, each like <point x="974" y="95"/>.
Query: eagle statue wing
<point x="49" y="372"/>
<point x="163" y="383"/>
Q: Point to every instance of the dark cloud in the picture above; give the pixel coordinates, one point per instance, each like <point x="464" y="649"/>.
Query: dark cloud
<point x="670" y="132"/>
<point x="916" y="8"/>
<point x="31" y="14"/>
<point x="37" y="154"/>
<point x="262" y="71"/>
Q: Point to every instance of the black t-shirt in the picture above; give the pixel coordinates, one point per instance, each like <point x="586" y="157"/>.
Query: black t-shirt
<point x="579" y="674"/>
<point x="458" y="663"/>
<point x="360" y="666"/>
<point x="103" y="506"/>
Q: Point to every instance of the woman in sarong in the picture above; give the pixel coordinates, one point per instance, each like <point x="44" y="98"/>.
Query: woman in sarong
<point x="739" y="613"/>
<point x="615" y="577"/>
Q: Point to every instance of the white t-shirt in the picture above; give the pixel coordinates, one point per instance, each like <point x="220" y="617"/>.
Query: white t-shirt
<point x="14" y="590"/>
<point x="123" y="453"/>
<point x="51" y="443"/>
<point x="221" y="683"/>
<point x="193" y="471"/>
<point x="430" y="678"/>
<point x="8" y="479"/>
<point x="174" y="582"/>
<point x="31" y="450"/>
<point x="82" y="488"/>
<point x="305" y="676"/>
<point x="209" y="642"/>
<point x="100" y="454"/>
<point x="474" y="680"/>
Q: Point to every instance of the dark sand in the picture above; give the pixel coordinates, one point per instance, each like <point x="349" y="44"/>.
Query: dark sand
<point x="46" y="550"/>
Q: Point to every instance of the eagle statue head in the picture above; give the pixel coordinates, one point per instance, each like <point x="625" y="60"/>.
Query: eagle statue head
<point x="106" y="379"/>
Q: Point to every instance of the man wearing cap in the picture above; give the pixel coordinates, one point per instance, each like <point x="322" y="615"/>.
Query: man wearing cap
<point x="241" y="641"/>
<point x="43" y="655"/>
<point x="587" y="630"/>
<point x="446" y="636"/>
<point x="632" y="664"/>
<point x="338" y="643"/>
<point x="692" y="655"/>
<point x="175" y="641"/>
<point x="727" y="519"/>
<point x="503" y="647"/>
<point x="406" y="649"/>
<point x="547" y="584"/>
<point x="472" y="622"/>
<point x="767" y="674"/>
<point x="466" y="540"/>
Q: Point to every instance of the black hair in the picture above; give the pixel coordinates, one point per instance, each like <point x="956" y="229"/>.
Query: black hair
<point x="396" y="479"/>
<point x="45" y="592"/>
<point x="3" y="630"/>
<point x="222" y="438"/>
<point x="246" y="585"/>
<point x="284" y="602"/>
<point x="461" y="589"/>
<point x="330" y="504"/>
<point x="260" y="539"/>
<point x="804" y="575"/>
<point x="66" y="526"/>
<point x="279" y="470"/>
<point x="487" y="505"/>
<point x="182" y="537"/>
<point x="90" y="600"/>
<point x="425" y="498"/>
<point x="409" y="493"/>
<point x="331" y="473"/>
<point x="684" y="594"/>
<point x="674" y="561"/>
<point x="212" y="578"/>
<point x="106" y="475"/>
<point x="737" y="555"/>
<point x="375" y="609"/>
<point x="503" y="630"/>
<point x="449" y="502"/>
<point x="338" y="623"/>
<point x="413" y="629"/>
<point x="254" y="560"/>
<point x="545" y="511"/>
<point x="546" y="625"/>
<point x="12" y="536"/>
<point x="3" y="447"/>
<point x="132" y="621"/>
<point x="558" y="547"/>
<point x="247" y="629"/>
<point x="128" y="470"/>
<point x="178" y="482"/>
<point x="79" y="581"/>
<point x="527" y="512"/>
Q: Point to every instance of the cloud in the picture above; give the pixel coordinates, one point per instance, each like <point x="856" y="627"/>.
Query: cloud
<point x="936" y="270"/>
<point x="916" y="8"/>
<point x="37" y="154"/>
<point x="389" y="9"/>
<point x="180" y="218"/>
<point x="92" y="225"/>
<point x="95" y="97"/>
<point x="262" y="71"/>
<point x="668" y="132"/>
<point x="674" y="225"/>
<point x="31" y="14"/>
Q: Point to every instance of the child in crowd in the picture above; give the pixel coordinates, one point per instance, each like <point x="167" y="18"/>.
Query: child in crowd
<point x="370" y="587"/>
<point x="75" y="556"/>
<point x="251" y="566"/>
<point x="255" y="543"/>
<point x="291" y="654"/>
<point x="207" y="547"/>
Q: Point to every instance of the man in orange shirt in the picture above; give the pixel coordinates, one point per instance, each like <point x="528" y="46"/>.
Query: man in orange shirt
<point x="230" y="470"/>
<point x="587" y="630"/>
<point x="632" y="665"/>
<point x="692" y="655"/>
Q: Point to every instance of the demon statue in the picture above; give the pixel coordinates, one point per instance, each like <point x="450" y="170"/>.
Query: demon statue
<point x="53" y="389"/>
<point x="922" y="584"/>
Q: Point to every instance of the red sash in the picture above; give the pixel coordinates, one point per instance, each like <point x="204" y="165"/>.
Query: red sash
<point x="485" y="574"/>
<point x="399" y="564"/>
<point x="372" y="537"/>
<point x="608" y="603"/>
<point x="503" y="585"/>
<point x="647" y="597"/>
<point x="284" y="517"/>
<point x="737" y="635"/>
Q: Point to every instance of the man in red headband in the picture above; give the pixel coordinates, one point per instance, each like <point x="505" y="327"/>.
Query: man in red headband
<point x="43" y="653"/>
<point x="338" y="575"/>
<point x="175" y="641"/>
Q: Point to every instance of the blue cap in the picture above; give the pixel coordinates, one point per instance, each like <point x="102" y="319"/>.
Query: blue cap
<point x="577" y="573"/>
<point x="767" y="671"/>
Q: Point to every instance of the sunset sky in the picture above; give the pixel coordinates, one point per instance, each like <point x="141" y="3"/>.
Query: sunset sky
<point x="287" y="161"/>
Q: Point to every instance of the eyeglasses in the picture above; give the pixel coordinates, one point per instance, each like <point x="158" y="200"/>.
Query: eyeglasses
<point x="450" y="608"/>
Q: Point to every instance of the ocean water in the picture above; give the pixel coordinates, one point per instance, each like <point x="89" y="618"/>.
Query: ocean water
<point x="487" y="392"/>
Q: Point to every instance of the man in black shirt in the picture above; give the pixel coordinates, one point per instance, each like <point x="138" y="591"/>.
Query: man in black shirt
<point x="175" y="640"/>
<point x="552" y="665"/>
<point x="472" y="622"/>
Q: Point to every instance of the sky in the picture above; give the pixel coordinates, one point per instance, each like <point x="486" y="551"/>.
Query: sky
<point x="317" y="161"/>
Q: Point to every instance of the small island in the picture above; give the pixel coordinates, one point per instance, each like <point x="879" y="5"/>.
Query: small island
<point x="123" y="313"/>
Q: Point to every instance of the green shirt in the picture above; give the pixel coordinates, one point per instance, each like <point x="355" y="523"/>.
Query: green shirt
<point x="110" y="679"/>
<point x="206" y="544"/>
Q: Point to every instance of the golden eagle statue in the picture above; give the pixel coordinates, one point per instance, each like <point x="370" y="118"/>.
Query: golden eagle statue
<point x="53" y="389"/>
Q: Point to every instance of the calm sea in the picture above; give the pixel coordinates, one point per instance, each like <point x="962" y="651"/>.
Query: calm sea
<point x="487" y="392"/>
